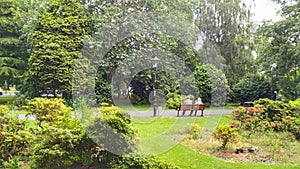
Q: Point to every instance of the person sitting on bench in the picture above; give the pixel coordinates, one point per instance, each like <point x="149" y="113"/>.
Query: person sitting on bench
<point x="197" y="102"/>
<point x="187" y="101"/>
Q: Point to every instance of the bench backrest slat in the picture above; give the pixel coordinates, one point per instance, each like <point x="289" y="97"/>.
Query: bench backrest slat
<point x="192" y="107"/>
<point x="186" y="107"/>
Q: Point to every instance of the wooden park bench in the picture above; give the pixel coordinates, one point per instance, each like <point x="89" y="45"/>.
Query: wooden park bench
<point x="191" y="108"/>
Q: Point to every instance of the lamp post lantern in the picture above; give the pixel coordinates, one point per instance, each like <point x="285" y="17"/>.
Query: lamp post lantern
<point x="155" y="61"/>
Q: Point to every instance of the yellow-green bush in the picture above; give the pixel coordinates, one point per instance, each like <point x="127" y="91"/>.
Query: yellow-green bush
<point x="226" y="134"/>
<point x="3" y="109"/>
<point x="14" y="138"/>
<point x="48" y="110"/>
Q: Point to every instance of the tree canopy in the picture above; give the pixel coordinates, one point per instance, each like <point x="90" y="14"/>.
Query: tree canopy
<point x="279" y="51"/>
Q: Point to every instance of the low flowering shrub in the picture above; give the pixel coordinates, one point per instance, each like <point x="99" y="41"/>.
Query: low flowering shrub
<point x="269" y="115"/>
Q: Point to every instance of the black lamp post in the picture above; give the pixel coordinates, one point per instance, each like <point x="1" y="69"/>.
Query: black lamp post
<point x="155" y="61"/>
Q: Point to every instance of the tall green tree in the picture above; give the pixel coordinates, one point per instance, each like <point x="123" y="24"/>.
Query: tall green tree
<point x="115" y="14"/>
<point x="279" y="50"/>
<point x="57" y="41"/>
<point x="12" y="50"/>
<point x="226" y="25"/>
<point x="212" y="84"/>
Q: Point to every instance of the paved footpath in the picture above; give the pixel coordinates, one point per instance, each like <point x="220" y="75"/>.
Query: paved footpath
<point x="165" y="113"/>
<point x="173" y="113"/>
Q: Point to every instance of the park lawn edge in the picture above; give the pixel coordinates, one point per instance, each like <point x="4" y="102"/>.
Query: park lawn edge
<point x="185" y="157"/>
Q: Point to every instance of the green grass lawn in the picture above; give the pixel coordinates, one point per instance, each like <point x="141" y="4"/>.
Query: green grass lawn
<point x="161" y="137"/>
<point x="184" y="157"/>
<point x="6" y="99"/>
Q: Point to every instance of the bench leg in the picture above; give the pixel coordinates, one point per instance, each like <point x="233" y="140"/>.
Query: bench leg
<point x="195" y="112"/>
<point x="191" y="112"/>
<point x="202" y="113"/>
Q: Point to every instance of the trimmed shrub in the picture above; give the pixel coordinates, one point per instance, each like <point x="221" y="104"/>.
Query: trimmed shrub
<point x="212" y="84"/>
<point x="62" y="147"/>
<point x="194" y="132"/>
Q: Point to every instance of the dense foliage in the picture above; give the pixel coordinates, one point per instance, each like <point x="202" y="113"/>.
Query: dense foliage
<point x="57" y="40"/>
<point x="60" y="141"/>
<point x="112" y="129"/>
<point x="278" y="49"/>
<point x="252" y="87"/>
<point x="269" y="115"/>
<point x="13" y="53"/>
<point x="14" y="137"/>
<point x="212" y="84"/>
<point x="47" y="110"/>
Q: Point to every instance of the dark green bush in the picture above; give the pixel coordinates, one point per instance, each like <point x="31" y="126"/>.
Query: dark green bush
<point x="212" y="84"/>
<point x="103" y="88"/>
<point x="135" y="99"/>
<point x="252" y="87"/>
<point x="113" y="130"/>
<point x="19" y="101"/>
<point x="62" y="147"/>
